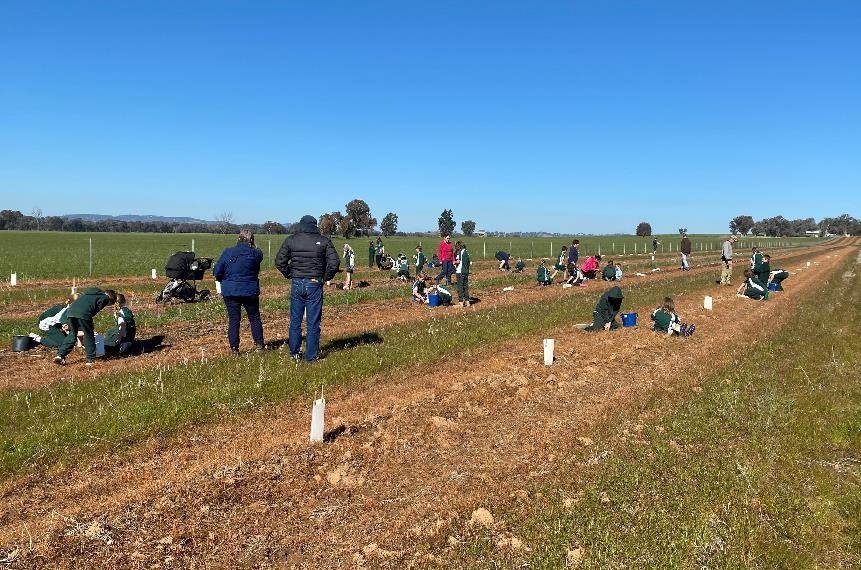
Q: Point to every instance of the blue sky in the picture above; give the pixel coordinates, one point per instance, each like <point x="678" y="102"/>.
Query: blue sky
<point x="559" y="116"/>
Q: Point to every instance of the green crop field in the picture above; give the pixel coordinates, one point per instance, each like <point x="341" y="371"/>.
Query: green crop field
<point x="62" y="255"/>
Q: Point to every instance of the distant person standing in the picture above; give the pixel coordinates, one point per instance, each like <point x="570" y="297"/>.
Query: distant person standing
<point x="655" y="243"/>
<point x="685" y="250"/>
<point x="238" y="271"/>
<point x="309" y="259"/>
<point x="372" y="254"/>
<point x="379" y="251"/>
<point x="463" y="274"/>
<point x="445" y="253"/>
<point x="726" y="259"/>
<point x="574" y="252"/>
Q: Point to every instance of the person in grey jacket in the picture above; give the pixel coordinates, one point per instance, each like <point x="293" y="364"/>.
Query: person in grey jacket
<point x="726" y="259"/>
<point x="309" y="259"/>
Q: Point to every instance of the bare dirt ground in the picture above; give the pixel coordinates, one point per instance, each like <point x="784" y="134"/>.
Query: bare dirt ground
<point x="415" y="455"/>
<point x="203" y="339"/>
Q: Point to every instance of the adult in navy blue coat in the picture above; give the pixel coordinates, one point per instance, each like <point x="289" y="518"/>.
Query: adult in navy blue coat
<point x="238" y="270"/>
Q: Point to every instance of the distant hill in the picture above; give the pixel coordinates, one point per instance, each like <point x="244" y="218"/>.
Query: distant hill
<point x="137" y="218"/>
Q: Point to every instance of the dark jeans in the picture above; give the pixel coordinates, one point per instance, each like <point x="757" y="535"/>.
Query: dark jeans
<point x="462" y="287"/>
<point x="75" y="325"/>
<point x="447" y="270"/>
<point x="379" y="260"/>
<point x="234" y="316"/>
<point x="306" y="298"/>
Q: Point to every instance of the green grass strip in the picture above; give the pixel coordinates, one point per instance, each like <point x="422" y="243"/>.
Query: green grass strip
<point x="760" y="470"/>
<point x="71" y="419"/>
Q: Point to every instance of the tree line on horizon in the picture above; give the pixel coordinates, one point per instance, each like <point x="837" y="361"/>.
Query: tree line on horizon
<point x="358" y="221"/>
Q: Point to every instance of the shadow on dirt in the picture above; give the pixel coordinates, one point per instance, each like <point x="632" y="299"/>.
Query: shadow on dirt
<point x="336" y="344"/>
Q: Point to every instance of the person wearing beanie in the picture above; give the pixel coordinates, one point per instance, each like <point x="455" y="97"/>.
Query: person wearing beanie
<point x="309" y="259"/>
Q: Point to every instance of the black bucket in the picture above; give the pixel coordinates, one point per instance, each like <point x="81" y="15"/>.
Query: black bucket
<point x="21" y="343"/>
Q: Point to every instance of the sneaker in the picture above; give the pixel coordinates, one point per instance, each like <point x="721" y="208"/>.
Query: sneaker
<point x="261" y="348"/>
<point x="689" y="330"/>
<point x="467" y="303"/>
<point x="234" y="351"/>
<point x="295" y="358"/>
<point x="60" y="360"/>
<point x="90" y="363"/>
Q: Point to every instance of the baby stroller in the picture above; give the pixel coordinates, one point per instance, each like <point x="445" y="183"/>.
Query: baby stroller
<point x="181" y="267"/>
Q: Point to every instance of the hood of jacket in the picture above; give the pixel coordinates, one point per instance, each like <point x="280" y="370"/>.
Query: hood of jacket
<point x="308" y="225"/>
<point x="614" y="293"/>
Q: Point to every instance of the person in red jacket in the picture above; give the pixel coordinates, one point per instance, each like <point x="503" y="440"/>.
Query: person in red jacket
<point x="445" y="252"/>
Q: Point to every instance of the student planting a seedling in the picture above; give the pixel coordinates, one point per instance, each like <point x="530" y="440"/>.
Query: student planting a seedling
<point x="462" y="269"/>
<point x="122" y="335"/>
<point x="668" y="321"/>
<point x="753" y="287"/>
<point x="543" y="274"/>
<point x="608" y="306"/>
<point x="54" y="324"/>
<point x="609" y="271"/>
<point x="420" y="289"/>
<point x="80" y="315"/>
<point x="777" y="275"/>
<point x="519" y="267"/>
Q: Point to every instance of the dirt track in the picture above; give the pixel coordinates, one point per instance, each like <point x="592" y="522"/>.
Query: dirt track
<point x="419" y="452"/>
<point x="205" y="338"/>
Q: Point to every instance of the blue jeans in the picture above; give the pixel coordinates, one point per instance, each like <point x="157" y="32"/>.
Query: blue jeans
<point x="306" y="298"/>
<point x="234" y="315"/>
<point x="447" y="270"/>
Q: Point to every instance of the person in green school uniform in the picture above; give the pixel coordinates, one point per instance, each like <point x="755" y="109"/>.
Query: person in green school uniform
<point x="372" y="254"/>
<point x="519" y="266"/>
<point x="403" y="267"/>
<point x="421" y="260"/>
<point x="756" y="258"/>
<point x="54" y="324"/>
<point x="609" y="271"/>
<point x="777" y="275"/>
<point x="561" y="263"/>
<point x="121" y="336"/>
<point x="543" y="273"/>
<point x="379" y="252"/>
<point x="80" y="315"/>
<point x="461" y="268"/>
<point x="753" y="287"/>
<point x="668" y="321"/>
<point x="608" y="306"/>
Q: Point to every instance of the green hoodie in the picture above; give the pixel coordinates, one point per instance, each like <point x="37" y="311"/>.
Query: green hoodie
<point x="609" y="272"/>
<point x="605" y="311"/>
<point x="91" y="301"/>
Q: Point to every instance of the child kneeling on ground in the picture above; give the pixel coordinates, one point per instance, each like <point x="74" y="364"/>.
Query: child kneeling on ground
<point x="121" y="336"/>
<point x="753" y="287"/>
<point x="544" y="277"/>
<point x="420" y="289"/>
<point x="443" y="294"/>
<point x="608" y="306"/>
<point x="668" y="321"/>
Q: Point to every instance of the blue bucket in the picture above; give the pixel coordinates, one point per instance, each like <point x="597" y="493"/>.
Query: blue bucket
<point x="433" y="300"/>
<point x="629" y="319"/>
<point x="772" y="286"/>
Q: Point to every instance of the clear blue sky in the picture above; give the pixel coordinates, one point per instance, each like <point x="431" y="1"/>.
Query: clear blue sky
<point x="559" y="116"/>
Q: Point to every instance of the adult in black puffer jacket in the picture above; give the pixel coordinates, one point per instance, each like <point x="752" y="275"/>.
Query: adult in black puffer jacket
<point x="309" y="259"/>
